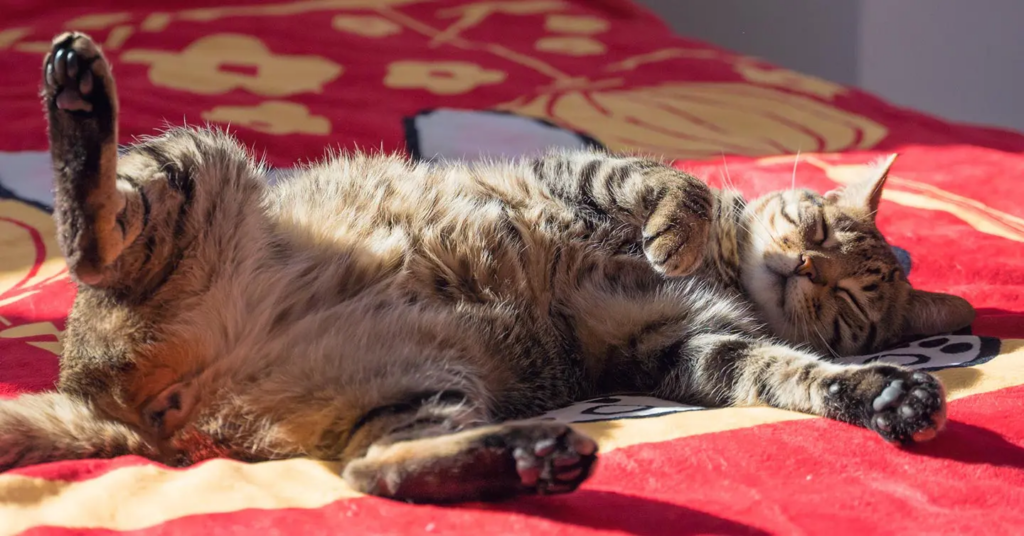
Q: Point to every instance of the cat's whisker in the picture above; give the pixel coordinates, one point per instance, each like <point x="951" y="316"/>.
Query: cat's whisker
<point x="744" y="227"/>
<point x="728" y="179"/>
<point x="795" y="162"/>
<point x="764" y="226"/>
<point x="834" y="353"/>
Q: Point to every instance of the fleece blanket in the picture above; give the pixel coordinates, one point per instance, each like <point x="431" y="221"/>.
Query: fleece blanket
<point x="469" y="79"/>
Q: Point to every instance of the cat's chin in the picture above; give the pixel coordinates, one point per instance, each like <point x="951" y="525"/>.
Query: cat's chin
<point x="778" y="298"/>
<point x="767" y="289"/>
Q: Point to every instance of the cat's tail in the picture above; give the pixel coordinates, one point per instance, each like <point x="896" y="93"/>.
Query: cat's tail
<point x="52" y="426"/>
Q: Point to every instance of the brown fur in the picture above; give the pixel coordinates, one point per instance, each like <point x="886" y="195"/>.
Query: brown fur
<point x="395" y="316"/>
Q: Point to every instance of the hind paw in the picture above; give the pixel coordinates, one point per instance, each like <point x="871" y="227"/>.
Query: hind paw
<point x="553" y="460"/>
<point x="76" y="76"/>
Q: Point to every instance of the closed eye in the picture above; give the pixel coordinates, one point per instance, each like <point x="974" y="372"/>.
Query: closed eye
<point x="820" y="231"/>
<point x="870" y="288"/>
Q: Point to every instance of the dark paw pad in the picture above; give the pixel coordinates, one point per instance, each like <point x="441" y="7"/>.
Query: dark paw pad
<point x="910" y="408"/>
<point x="73" y="73"/>
<point x="555" y="463"/>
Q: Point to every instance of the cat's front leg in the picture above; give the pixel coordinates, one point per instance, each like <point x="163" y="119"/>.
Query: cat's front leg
<point x="673" y="209"/>
<point x="81" y="108"/>
<point x="905" y="406"/>
<point x="901" y="405"/>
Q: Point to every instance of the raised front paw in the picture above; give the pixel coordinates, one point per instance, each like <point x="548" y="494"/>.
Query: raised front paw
<point x="76" y="76"/>
<point x="675" y="235"/>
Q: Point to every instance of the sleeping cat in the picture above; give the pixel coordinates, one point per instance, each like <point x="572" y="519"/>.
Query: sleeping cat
<point x="405" y="318"/>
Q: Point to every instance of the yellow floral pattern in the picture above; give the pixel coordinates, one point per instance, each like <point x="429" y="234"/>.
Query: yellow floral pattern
<point x="365" y="25"/>
<point x="758" y="73"/>
<point x="204" y="67"/>
<point x="764" y="116"/>
<point x="579" y="24"/>
<point x="272" y="117"/>
<point x="705" y="120"/>
<point x="27" y="237"/>
<point x="441" y="77"/>
<point x="570" y="46"/>
<point x="29" y="259"/>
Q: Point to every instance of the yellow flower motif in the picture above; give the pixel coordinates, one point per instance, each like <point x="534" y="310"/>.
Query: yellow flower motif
<point x="272" y="117"/>
<point x="579" y="24"/>
<point x="696" y="121"/>
<point x="773" y="76"/>
<point x="219" y="63"/>
<point x="365" y="25"/>
<point x="11" y="35"/>
<point x="98" y="21"/>
<point x="441" y="77"/>
<point x="29" y="255"/>
<point x="570" y="46"/>
<point x="35" y="330"/>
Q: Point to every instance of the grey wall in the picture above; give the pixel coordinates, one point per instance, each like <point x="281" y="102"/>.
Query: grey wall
<point x="960" y="59"/>
<point x="963" y="59"/>
<point x="810" y="36"/>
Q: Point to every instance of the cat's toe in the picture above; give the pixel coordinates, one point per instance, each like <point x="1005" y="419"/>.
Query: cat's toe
<point x="555" y="462"/>
<point x="676" y="233"/>
<point x="677" y="248"/>
<point x="71" y="71"/>
<point x="910" y="408"/>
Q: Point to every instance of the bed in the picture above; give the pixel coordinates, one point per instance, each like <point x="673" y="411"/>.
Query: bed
<point x="476" y="78"/>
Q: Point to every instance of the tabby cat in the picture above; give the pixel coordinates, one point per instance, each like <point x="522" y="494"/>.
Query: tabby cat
<point x="405" y="318"/>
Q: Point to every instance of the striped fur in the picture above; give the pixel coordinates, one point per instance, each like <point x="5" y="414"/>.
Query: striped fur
<point x="403" y="317"/>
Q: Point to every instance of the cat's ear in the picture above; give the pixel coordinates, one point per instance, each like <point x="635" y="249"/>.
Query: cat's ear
<point x="933" y="313"/>
<point x="865" y="194"/>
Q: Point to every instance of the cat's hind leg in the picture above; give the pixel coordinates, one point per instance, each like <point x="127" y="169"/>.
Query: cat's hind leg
<point x="81" y="108"/>
<point x="440" y="448"/>
<point x="489" y="463"/>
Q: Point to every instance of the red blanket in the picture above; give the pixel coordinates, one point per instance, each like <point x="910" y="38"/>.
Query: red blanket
<point x="427" y="77"/>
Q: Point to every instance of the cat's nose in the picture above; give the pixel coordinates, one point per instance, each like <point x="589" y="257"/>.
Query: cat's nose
<point x="806" y="268"/>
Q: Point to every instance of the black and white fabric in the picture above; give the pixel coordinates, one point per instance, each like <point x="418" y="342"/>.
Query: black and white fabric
<point x="934" y="353"/>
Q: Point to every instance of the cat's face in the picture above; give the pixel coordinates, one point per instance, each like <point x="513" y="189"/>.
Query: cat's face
<point x="822" y="274"/>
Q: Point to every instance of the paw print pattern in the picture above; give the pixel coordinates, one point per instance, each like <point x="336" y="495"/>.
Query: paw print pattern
<point x="935" y="353"/>
<point x="613" y="408"/>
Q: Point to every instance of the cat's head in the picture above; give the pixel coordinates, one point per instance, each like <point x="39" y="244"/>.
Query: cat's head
<point x="822" y="274"/>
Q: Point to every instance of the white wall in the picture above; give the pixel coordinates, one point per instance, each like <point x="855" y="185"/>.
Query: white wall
<point x="963" y="59"/>
<point x="960" y="59"/>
